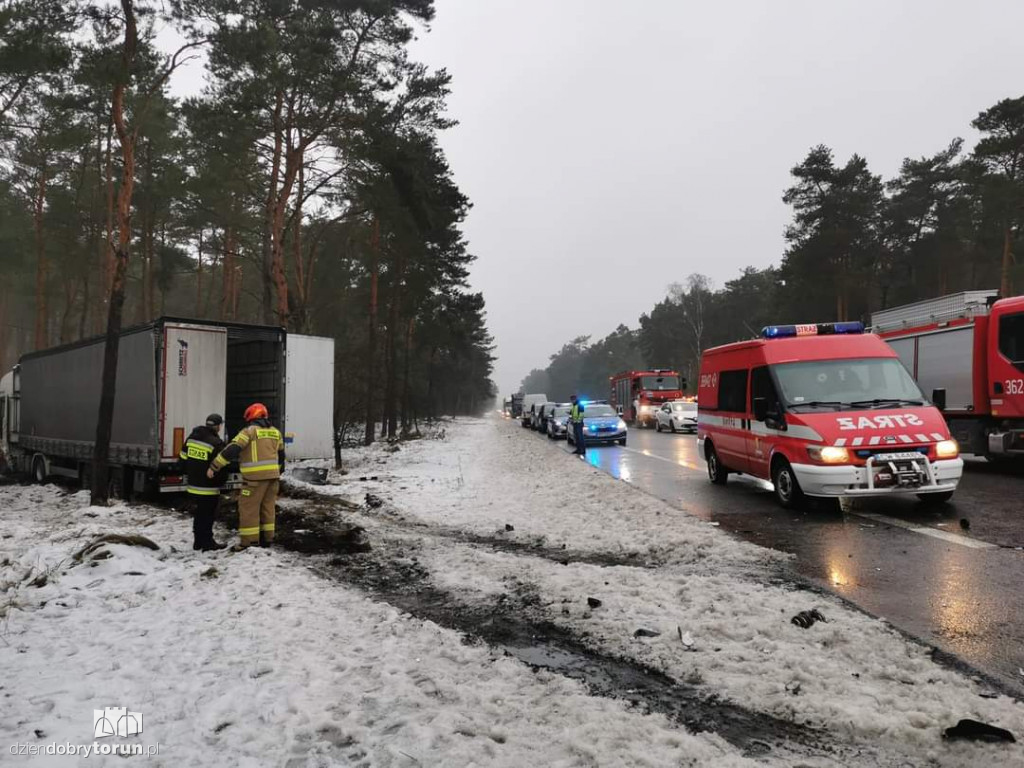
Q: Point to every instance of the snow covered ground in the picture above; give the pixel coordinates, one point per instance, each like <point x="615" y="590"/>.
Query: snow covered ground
<point x="254" y="659"/>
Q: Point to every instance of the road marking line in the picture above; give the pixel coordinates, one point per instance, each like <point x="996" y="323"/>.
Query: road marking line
<point x="952" y="538"/>
<point x="649" y="455"/>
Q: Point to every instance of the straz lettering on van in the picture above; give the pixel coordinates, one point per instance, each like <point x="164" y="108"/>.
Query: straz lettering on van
<point x="880" y="422"/>
<point x="709" y="380"/>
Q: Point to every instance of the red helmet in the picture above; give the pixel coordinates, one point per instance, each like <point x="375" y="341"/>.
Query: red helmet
<point x="256" y="411"/>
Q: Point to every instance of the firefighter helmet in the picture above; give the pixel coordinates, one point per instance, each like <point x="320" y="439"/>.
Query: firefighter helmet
<point x="256" y="411"/>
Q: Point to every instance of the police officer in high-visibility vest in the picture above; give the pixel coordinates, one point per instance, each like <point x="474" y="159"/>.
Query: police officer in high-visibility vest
<point x="576" y="419"/>
<point x="198" y="451"/>
<point x="259" y="451"/>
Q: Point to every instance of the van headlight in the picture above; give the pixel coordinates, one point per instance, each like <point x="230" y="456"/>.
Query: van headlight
<point x="829" y="454"/>
<point x="947" y="449"/>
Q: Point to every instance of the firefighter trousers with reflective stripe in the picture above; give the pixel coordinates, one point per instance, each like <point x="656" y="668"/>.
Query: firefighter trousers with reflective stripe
<point x="202" y="518"/>
<point x="256" y="511"/>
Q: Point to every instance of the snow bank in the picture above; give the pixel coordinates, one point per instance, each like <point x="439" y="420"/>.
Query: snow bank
<point x="250" y="659"/>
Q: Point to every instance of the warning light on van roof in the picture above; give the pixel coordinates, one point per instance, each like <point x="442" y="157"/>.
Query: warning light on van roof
<point x="818" y="329"/>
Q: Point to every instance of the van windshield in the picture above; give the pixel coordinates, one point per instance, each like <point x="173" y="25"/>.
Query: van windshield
<point x="838" y="384"/>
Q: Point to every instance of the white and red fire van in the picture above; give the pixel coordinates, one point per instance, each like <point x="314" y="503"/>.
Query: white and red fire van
<point x="822" y="410"/>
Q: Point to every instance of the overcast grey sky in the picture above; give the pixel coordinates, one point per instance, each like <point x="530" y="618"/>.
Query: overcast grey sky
<point x="616" y="147"/>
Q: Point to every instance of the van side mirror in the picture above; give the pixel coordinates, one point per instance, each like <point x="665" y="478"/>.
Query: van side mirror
<point x="760" y="408"/>
<point x="939" y="398"/>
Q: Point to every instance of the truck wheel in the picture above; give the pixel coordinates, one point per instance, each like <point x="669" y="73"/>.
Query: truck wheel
<point x="787" y="488"/>
<point x="934" y="499"/>
<point x="717" y="473"/>
<point x="39" y="469"/>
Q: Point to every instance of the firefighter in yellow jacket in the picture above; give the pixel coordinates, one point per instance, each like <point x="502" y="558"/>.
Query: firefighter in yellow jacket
<point x="259" y="451"/>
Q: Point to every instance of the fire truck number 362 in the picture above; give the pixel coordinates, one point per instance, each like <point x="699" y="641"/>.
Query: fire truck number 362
<point x="1014" y="386"/>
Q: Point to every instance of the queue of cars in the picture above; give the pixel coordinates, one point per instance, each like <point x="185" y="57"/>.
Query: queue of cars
<point x="602" y="423"/>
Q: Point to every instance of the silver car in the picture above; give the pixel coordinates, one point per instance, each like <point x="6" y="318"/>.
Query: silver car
<point x="558" y="421"/>
<point x="677" y="416"/>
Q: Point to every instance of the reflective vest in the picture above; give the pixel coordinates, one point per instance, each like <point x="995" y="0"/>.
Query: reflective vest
<point x="259" y="450"/>
<point x="197" y="452"/>
<point x="576" y="414"/>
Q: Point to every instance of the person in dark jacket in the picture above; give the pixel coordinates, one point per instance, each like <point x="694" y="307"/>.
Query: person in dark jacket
<point x="199" y="450"/>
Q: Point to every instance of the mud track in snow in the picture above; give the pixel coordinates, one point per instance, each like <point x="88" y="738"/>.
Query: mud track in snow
<point x="387" y="569"/>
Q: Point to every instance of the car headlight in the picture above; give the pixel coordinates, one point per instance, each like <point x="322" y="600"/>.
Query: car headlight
<point x="947" y="449"/>
<point x="621" y="425"/>
<point x="829" y="454"/>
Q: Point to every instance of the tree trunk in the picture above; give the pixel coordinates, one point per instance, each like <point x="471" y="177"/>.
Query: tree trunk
<point x="297" y="261"/>
<point x="199" y="276"/>
<point x="267" y="246"/>
<point x="227" y="273"/>
<point x="406" y="404"/>
<point x="371" y="334"/>
<point x="108" y="391"/>
<point x="1005" y="274"/>
<point x="107" y="257"/>
<point x="4" y="294"/>
<point x="391" y="386"/>
<point x="42" y="264"/>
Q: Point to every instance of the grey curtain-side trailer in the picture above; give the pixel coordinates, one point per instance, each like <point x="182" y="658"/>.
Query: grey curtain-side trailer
<point x="171" y="374"/>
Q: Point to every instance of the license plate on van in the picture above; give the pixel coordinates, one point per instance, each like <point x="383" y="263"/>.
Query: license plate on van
<point x="899" y="456"/>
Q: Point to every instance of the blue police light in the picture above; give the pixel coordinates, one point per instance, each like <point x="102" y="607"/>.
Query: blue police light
<point x="819" y="329"/>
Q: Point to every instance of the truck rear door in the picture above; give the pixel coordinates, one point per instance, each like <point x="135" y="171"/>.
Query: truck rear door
<point x="194" y="381"/>
<point x="309" y="401"/>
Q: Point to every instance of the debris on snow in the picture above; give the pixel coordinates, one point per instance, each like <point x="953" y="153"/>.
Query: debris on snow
<point x="975" y="730"/>
<point x="373" y="501"/>
<point x="112" y="538"/>
<point x="805" y="619"/>
<point x="646" y="633"/>
<point x="593" y="602"/>
<point x="312" y="475"/>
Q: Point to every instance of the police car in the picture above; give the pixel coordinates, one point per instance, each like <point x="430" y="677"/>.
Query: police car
<point x="822" y="410"/>
<point x="601" y="425"/>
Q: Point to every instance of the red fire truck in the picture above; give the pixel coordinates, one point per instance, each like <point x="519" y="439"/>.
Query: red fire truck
<point x="967" y="350"/>
<point x="637" y="395"/>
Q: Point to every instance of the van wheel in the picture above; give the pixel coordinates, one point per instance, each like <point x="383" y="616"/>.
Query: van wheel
<point x="717" y="473"/>
<point x="39" y="469"/>
<point x="787" y="488"/>
<point x="935" y="499"/>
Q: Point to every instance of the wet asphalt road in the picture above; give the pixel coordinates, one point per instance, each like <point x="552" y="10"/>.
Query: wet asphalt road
<point x="960" y="590"/>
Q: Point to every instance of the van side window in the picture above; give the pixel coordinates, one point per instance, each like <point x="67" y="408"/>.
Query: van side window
<point x="761" y="385"/>
<point x="732" y="391"/>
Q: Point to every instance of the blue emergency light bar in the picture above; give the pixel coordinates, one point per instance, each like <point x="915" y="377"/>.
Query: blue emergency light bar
<point x="814" y="329"/>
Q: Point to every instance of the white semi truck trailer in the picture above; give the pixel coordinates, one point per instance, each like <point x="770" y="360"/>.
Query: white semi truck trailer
<point x="171" y="374"/>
